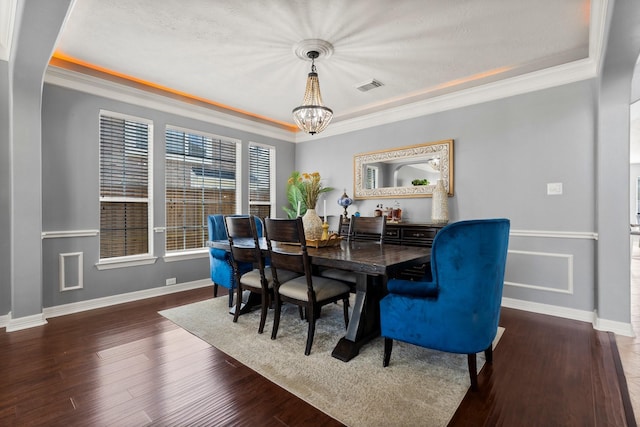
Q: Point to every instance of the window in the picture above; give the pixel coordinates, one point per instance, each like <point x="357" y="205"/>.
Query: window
<point x="371" y="178"/>
<point x="125" y="180"/>
<point x="261" y="179"/>
<point x="200" y="180"/>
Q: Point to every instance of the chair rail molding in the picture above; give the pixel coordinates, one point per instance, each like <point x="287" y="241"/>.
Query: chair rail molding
<point x="69" y="233"/>
<point x="589" y="235"/>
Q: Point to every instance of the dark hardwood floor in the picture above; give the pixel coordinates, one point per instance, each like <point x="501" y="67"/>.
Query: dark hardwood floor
<point x="128" y="366"/>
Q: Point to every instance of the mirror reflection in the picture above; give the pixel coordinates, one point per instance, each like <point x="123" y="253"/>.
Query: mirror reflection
<point x="404" y="172"/>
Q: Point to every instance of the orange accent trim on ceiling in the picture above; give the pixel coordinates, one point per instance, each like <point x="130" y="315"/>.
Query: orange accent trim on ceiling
<point x="475" y="77"/>
<point x="61" y="58"/>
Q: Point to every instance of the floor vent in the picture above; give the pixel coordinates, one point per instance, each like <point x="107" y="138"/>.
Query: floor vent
<point x="368" y="85"/>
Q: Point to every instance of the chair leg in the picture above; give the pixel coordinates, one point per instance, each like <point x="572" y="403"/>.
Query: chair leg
<point x="473" y="371"/>
<point x="231" y="297"/>
<point x="488" y="354"/>
<point x="276" y="318"/>
<point x="238" y="302"/>
<point x="345" y="308"/>
<point x="264" y="306"/>
<point x="215" y="290"/>
<point x="388" y="346"/>
<point x="311" y="318"/>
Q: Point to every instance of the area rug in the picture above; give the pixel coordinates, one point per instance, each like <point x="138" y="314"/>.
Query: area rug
<point x="420" y="387"/>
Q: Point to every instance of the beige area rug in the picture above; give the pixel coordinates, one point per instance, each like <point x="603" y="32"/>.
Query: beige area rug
<point x="420" y="387"/>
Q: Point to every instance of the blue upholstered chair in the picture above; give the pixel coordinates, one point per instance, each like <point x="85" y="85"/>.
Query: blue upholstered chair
<point x="458" y="311"/>
<point x="220" y="260"/>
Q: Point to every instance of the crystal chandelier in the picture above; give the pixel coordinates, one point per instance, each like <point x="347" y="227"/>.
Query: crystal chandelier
<point x="312" y="116"/>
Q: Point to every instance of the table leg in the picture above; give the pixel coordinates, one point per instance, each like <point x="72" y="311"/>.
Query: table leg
<point x="249" y="301"/>
<point x="364" y="324"/>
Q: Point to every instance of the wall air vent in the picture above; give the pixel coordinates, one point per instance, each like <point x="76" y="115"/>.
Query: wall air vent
<point x="368" y="85"/>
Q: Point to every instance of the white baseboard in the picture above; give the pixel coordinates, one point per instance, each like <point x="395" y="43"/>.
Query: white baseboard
<point x="4" y="320"/>
<point x="25" y="322"/>
<point x="76" y="307"/>
<point x="619" y="328"/>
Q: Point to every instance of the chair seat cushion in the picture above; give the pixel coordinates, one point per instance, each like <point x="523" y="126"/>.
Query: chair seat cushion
<point x="253" y="280"/>
<point x="325" y="288"/>
<point x="337" y="274"/>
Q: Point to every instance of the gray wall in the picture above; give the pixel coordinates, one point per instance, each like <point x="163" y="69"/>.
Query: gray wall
<point x="70" y="153"/>
<point x="634" y="174"/>
<point x="37" y="28"/>
<point x="505" y="153"/>
<point x="5" y="193"/>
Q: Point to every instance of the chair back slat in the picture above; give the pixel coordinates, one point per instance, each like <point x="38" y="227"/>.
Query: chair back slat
<point x="343" y="226"/>
<point x="287" y="246"/>
<point x="367" y="228"/>
<point x="243" y="240"/>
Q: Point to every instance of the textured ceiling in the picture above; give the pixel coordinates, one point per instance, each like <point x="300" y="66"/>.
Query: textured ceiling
<point x="240" y="53"/>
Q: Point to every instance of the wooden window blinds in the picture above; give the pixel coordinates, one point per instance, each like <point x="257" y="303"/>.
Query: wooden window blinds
<point x="200" y="180"/>
<point x="261" y="179"/>
<point x="124" y="186"/>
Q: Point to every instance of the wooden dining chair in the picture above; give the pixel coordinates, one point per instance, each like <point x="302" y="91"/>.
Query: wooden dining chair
<point x="288" y="253"/>
<point x="360" y="228"/>
<point x="367" y="228"/>
<point x="343" y="226"/>
<point x="245" y="249"/>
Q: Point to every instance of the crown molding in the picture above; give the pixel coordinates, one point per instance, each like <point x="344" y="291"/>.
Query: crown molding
<point x="100" y="87"/>
<point x="551" y="77"/>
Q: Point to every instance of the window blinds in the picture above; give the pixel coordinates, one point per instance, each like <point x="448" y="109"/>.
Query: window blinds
<point x="124" y="183"/>
<point x="260" y="177"/>
<point x="200" y="180"/>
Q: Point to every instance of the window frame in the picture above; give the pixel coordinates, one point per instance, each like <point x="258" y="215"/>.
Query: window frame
<point x="176" y="255"/>
<point x="372" y="175"/>
<point x="142" y="258"/>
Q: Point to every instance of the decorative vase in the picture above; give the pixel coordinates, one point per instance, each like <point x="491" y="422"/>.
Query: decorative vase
<point x="312" y="224"/>
<point x="439" y="204"/>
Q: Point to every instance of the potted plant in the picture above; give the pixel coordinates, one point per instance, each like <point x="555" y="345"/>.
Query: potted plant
<point x="303" y="192"/>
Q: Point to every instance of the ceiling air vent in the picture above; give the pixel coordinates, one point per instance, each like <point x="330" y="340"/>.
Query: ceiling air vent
<point x="368" y="85"/>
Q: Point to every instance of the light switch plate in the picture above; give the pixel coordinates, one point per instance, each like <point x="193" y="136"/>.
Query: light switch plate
<point x="554" y="188"/>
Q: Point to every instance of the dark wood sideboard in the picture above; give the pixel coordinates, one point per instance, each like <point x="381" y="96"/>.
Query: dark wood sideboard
<point x="413" y="234"/>
<point x="404" y="233"/>
<point x="407" y="233"/>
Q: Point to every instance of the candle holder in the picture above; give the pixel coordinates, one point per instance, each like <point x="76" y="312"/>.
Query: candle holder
<point x="325" y="231"/>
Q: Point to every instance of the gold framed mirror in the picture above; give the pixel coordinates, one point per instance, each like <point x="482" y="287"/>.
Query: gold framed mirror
<point x="404" y="172"/>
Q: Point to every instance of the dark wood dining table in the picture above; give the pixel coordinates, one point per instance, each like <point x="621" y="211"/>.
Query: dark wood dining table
<point x="374" y="263"/>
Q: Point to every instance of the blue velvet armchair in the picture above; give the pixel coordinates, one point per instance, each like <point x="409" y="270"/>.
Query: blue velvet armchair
<point x="458" y="310"/>
<point x="220" y="260"/>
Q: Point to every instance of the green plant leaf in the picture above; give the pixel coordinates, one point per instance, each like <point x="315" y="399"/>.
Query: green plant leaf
<point x="294" y="194"/>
